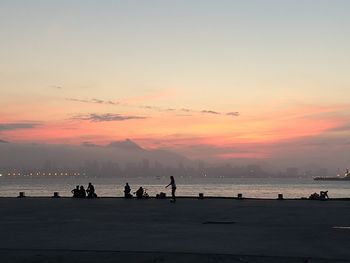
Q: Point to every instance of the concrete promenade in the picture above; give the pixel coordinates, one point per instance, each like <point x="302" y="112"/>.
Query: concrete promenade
<point x="191" y="230"/>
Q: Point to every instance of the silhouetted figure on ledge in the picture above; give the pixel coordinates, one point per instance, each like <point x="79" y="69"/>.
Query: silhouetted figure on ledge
<point x="75" y="192"/>
<point x="324" y="195"/>
<point x="82" y="192"/>
<point x="314" y="196"/>
<point x="127" y="191"/>
<point x="173" y="187"/>
<point x="91" y="191"/>
<point x="139" y="193"/>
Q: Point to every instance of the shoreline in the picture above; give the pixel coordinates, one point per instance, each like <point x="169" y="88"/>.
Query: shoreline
<point x="180" y="197"/>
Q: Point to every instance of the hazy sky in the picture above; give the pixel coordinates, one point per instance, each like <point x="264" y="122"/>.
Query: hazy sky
<point x="205" y="78"/>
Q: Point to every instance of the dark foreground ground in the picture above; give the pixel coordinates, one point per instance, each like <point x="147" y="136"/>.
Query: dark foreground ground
<point x="191" y="230"/>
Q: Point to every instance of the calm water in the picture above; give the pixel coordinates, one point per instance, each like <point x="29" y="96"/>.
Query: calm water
<point x="252" y="187"/>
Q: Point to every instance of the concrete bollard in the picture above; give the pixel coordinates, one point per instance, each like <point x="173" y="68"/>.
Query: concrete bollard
<point x="21" y="195"/>
<point x="240" y="196"/>
<point x="280" y="197"/>
<point x="201" y="196"/>
<point x="56" y="195"/>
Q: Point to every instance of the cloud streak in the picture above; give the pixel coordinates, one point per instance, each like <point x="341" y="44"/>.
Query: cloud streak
<point x="153" y="108"/>
<point x="210" y="112"/>
<point x="187" y="110"/>
<point x="18" y="126"/>
<point x="94" y="101"/>
<point x="106" y="117"/>
<point x="234" y="113"/>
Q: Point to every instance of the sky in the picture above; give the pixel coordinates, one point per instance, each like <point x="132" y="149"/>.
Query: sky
<point x="207" y="79"/>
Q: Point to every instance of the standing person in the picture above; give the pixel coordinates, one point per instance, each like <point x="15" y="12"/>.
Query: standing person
<point x="173" y="187"/>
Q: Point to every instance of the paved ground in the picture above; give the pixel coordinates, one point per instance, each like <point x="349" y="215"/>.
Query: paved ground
<point x="191" y="230"/>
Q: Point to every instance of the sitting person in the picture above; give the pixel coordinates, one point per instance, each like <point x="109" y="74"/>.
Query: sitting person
<point x="91" y="191"/>
<point x="324" y="195"/>
<point x="75" y="192"/>
<point x="314" y="196"/>
<point x="82" y="192"/>
<point x="127" y="191"/>
<point x="139" y="193"/>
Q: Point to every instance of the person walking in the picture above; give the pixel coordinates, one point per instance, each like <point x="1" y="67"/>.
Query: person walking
<point x="173" y="188"/>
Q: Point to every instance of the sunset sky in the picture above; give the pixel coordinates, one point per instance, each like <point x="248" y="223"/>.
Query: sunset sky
<point x="207" y="79"/>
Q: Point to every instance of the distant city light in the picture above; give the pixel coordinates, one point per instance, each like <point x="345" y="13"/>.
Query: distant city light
<point x="15" y="172"/>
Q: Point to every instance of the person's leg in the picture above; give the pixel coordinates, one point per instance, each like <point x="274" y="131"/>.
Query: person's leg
<point x="173" y="193"/>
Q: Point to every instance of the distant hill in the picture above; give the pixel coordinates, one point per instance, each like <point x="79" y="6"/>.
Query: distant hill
<point x="121" y="152"/>
<point x="126" y="145"/>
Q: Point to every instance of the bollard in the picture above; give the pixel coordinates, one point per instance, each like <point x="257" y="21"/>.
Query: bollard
<point x="239" y="196"/>
<point x="56" y="195"/>
<point x="280" y="197"/>
<point x="201" y="196"/>
<point x="21" y="195"/>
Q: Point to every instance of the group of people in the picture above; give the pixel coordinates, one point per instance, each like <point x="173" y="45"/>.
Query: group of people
<point x="80" y="192"/>
<point x="141" y="192"/>
<point x="322" y="196"/>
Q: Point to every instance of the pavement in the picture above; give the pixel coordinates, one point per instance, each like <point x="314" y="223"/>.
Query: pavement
<point x="190" y="230"/>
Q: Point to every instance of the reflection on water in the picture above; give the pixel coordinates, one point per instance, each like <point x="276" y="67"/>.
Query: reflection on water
<point x="252" y="187"/>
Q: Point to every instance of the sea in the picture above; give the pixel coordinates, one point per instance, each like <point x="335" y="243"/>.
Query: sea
<point x="220" y="187"/>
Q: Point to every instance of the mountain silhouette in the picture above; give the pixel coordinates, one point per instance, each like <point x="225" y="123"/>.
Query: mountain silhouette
<point x="126" y="144"/>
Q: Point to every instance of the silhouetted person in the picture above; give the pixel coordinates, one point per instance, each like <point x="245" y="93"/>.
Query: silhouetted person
<point x="173" y="187"/>
<point x="139" y="193"/>
<point x="127" y="191"/>
<point x="91" y="191"/>
<point x="82" y="192"/>
<point x="75" y="192"/>
<point x="314" y="196"/>
<point x="324" y="195"/>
